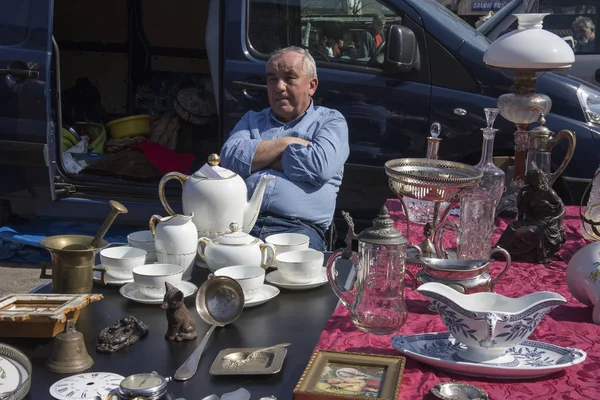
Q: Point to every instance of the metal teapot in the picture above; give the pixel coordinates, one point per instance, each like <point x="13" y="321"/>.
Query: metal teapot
<point x="465" y="276"/>
<point x="375" y="300"/>
<point x="216" y="196"/>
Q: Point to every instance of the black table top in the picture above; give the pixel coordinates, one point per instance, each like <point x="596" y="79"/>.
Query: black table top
<point x="297" y="317"/>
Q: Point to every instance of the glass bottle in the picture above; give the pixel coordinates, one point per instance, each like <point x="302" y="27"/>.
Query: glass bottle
<point x="592" y="213"/>
<point x="420" y="212"/>
<point x="478" y="206"/>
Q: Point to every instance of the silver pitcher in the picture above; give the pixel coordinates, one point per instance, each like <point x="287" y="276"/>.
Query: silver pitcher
<point x="465" y="276"/>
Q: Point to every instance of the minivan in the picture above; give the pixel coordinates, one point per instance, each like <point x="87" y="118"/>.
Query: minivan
<point x="69" y="67"/>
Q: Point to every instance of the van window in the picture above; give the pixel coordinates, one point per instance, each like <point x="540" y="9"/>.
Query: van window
<point x="573" y="20"/>
<point x="14" y="22"/>
<point x="332" y="30"/>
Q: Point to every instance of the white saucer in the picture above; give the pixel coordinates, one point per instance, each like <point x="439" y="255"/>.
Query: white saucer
<point x="109" y="279"/>
<point x="266" y="293"/>
<point x="276" y="279"/>
<point x="132" y="292"/>
<point x="531" y="359"/>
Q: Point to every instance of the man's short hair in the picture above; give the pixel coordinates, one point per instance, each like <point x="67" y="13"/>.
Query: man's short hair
<point x="583" y="22"/>
<point x="308" y="62"/>
<point x="379" y="19"/>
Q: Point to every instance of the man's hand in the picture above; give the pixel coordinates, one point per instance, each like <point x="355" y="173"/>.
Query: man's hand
<point x="269" y="151"/>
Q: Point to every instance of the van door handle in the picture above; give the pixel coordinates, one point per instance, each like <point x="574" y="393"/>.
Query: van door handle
<point x="245" y="86"/>
<point x="597" y="75"/>
<point x="20" y="73"/>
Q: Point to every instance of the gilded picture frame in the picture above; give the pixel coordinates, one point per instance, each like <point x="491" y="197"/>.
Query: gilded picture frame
<point x="346" y="375"/>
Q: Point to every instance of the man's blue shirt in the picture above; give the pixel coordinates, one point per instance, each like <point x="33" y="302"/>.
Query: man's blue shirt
<point x="307" y="188"/>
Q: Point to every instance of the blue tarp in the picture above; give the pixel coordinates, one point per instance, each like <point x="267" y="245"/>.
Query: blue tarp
<point x="20" y="239"/>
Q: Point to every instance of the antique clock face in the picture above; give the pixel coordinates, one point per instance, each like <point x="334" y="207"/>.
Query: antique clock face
<point x="83" y="386"/>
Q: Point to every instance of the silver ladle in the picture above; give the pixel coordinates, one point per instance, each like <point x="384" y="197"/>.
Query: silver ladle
<point x="220" y="301"/>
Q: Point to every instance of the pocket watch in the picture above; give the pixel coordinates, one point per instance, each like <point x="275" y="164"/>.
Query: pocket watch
<point x="146" y="386"/>
<point x="85" y="386"/>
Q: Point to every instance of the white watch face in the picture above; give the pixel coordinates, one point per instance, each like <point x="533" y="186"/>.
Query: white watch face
<point x="83" y="386"/>
<point x="142" y="382"/>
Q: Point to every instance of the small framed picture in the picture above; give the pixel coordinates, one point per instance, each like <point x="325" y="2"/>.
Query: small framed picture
<point x="345" y="375"/>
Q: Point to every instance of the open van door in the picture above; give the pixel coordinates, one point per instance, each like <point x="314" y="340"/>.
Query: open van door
<point x="27" y="130"/>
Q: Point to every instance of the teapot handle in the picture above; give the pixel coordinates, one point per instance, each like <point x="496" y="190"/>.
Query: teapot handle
<point x="268" y="254"/>
<point x="202" y="242"/>
<point x="341" y="292"/>
<point x="161" y="188"/>
<point x="420" y="253"/>
<point x="508" y="259"/>
<point x="153" y="221"/>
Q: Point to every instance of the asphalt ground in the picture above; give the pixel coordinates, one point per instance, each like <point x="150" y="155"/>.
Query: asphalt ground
<point x="19" y="277"/>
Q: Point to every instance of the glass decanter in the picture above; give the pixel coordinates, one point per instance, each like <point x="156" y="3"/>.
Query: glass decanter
<point x="478" y="206"/>
<point x="420" y="212"/>
<point x="592" y="210"/>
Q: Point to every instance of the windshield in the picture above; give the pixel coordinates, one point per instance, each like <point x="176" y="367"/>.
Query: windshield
<point x="452" y="21"/>
<point x="499" y="16"/>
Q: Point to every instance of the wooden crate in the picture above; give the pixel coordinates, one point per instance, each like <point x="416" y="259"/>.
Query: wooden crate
<point x="35" y="315"/>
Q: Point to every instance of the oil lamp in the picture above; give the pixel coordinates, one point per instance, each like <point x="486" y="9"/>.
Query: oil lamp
<point x="529" y="50"/>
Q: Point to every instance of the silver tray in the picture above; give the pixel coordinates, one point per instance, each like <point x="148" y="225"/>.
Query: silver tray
<point x="267" y="363"/>
<point x="20" y="365"/>
<point x="432" y="180"/>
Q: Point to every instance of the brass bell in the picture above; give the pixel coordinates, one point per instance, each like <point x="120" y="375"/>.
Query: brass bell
<point x="69" y="353"/>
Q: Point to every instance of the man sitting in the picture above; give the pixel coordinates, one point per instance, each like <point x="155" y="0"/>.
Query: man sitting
<point x="304" y="146"/>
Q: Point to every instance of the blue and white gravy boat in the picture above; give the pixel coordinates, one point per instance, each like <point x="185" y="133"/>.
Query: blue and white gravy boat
<point x="488" y="324"/>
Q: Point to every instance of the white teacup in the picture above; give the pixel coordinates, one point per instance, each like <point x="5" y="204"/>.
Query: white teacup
<point x="285" y="242"/>
<point x="151" y="278"/>
<point x="143" y="240"/>
<point x="120" y="261"/>
<point x="300" y="266"/>
<point x="250" y="278"/>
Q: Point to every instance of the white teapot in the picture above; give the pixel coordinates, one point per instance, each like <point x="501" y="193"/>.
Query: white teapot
<point x="216" y="202"/>
<point x="235" y="248"/>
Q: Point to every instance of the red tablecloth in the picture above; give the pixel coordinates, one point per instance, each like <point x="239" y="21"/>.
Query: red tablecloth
<point x="569" y="325"/>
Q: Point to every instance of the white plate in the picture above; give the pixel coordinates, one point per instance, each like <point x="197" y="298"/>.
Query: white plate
<point x="132" y="292"/>
<point x="531" y="359"/>
<point x="276" y="279"/>
<point x="266" y="293"/>
<point x="12" y="376"/>
<point x="109" y="279"/>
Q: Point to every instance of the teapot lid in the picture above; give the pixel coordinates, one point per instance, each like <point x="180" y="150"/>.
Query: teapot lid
<point x="236" y="237"/>
<point x="383" y="231"/>
<point x="213" y="162"/>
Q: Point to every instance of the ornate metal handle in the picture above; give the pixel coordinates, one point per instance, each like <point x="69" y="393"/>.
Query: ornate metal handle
<point x="508" y="259"/>
<point x="420" y="252"/>
<point x="161" y="188"/>
<point x="439" y="246"/>
<point x="564" y="134"/>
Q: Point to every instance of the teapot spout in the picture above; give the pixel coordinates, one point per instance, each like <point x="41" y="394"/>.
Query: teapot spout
<point x="253" y="206"/>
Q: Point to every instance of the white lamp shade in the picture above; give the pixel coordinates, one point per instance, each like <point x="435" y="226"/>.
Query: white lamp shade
<point x="530" y="47"/>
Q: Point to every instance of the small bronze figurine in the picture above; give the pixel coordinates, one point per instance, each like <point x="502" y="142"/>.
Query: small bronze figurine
<point x="538" y="229"/>
<point x="181" y="322"/>
<point x="127" y="331"/>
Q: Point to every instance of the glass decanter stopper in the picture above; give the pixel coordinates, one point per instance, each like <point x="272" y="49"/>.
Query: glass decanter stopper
<point x="479" y="204"/>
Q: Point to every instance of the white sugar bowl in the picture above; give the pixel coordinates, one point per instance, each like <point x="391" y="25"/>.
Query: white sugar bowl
<point x="235" y="248"/>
